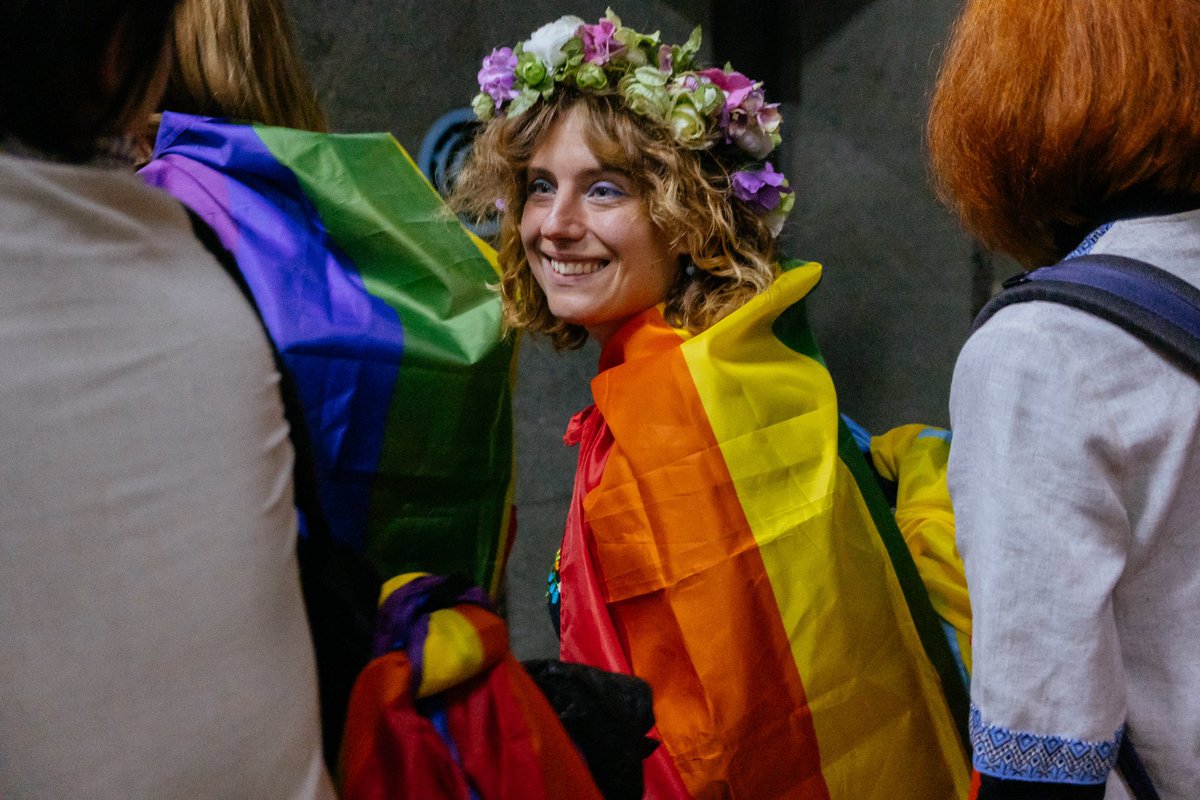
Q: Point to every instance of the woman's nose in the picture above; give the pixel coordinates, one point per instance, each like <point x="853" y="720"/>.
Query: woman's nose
<point x="563" y="219"/>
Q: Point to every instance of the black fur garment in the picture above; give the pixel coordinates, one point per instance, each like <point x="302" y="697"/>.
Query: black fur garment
<point x="607" y="715"/>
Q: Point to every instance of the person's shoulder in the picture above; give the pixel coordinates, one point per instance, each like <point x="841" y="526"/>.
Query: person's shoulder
<point x="93" y="214"/>
<point x="1035" y="337"/>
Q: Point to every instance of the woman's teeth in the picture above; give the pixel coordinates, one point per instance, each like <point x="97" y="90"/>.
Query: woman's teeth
<point x="576" y="267"/>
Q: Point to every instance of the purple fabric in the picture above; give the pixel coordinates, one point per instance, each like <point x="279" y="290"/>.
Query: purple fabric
<point x="343" y="345"/>
<point x="402" y="622"/>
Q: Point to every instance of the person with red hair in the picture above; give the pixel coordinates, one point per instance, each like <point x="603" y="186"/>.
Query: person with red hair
<point x="1061" y="128"/>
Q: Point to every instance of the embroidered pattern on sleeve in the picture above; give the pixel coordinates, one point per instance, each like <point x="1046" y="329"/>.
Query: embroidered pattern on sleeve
<point x="1004" y="753"/>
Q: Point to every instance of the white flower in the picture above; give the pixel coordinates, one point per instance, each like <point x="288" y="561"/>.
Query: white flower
<point x="547" y="41"/>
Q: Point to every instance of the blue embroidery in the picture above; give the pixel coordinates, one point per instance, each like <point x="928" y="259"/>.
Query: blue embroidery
<point x="1003" y="753"/>
<point x="1090" y="240"/>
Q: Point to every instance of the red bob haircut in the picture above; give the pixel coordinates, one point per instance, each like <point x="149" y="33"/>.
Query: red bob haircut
<point x="1052" y="116"/>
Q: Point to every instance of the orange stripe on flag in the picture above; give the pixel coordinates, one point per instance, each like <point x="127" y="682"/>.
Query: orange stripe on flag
<point x="696" y="608"/>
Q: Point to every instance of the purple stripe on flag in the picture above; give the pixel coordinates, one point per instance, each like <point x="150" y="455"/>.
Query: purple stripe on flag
<point x="343" y="345"/>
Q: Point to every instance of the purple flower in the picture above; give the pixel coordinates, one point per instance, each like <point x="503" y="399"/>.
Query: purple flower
<point x="598" y="42"/>
<point x="763" y="188"/>
<point x="666" y="61"/>
<point x="747" y="120"/>
<point x="497" y="75"/>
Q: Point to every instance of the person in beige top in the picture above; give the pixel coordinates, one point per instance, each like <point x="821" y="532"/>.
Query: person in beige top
<point x="153" y="640"/>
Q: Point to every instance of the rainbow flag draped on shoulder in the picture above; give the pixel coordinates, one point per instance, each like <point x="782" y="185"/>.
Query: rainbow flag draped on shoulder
<point x="739" y="556"/>
<point x="378" y="300"/>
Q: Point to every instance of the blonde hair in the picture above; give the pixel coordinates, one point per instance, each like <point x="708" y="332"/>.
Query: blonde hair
<point x="686" y="193"/>
<point x="237" y="59"/>
<point x="1051" y="116"/>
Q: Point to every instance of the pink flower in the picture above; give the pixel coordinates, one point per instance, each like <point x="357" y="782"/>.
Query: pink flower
<point x="735" y="85"/>
<point x="497" y="75"/>
<point x="752" y="124"/>
<point x="598" y="42"/>
<point x="666" y="62"/>
<point x="747" y="120"/>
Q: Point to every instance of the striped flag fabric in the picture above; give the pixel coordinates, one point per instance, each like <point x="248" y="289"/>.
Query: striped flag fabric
<point x="379" y="301"/>
<point x="744" y="563"/>
<point x="445" y="712"/>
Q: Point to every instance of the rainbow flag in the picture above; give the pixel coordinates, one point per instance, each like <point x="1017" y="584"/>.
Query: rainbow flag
<point x="913" y="458"/>
<point x="378" y="300"/>
<point x="748" y="568"/>
<point x="444" y="711"/>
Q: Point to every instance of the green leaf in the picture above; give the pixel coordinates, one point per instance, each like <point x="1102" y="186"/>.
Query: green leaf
<point x="683" y="55"/>
<point x="524" y="101"/>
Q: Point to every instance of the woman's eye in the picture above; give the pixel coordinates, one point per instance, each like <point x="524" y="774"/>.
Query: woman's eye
<point x="605" y="190"/>
<point x="540" y="186"/>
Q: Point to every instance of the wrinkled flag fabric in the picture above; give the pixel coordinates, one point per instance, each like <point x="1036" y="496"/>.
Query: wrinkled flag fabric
<point x="736" y="553"/>
<point x="378" y="299"/>
<point x="444" y="711"/>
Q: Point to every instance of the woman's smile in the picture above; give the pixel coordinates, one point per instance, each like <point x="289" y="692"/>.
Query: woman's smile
<point x="575" y="267"/>
<point x="590" y="243"/>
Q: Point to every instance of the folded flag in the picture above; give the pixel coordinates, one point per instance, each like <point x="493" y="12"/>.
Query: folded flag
<point x="914" y="459"/>
<point x="444" y="711"/>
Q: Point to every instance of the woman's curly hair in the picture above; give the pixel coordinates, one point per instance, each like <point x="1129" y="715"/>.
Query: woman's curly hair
<point x="687" y="196"/>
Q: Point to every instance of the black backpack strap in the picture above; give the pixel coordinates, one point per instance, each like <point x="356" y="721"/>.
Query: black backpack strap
<point x="1129" y="764"/>
<point x="341" y="589"/>
<point x="1152" y="304"/>
<point x="1160" y="309"/>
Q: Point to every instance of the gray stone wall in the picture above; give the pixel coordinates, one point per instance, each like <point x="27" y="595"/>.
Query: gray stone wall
<point x="398" y="65"/>
<point x="896" y="300"/>
<point x="894" y="305"/>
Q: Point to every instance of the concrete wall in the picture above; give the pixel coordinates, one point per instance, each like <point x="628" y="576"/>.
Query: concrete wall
<point x="896" y="300"/>
<point x="894" y="306"/>
<point x="397" y="65"/>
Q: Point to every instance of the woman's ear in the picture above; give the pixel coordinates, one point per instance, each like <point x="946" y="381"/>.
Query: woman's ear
<point x="682" y="253"/>
<point x="679" y="248"/>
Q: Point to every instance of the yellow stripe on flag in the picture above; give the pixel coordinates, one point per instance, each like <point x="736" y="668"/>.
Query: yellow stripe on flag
<point x="876" y="701"/>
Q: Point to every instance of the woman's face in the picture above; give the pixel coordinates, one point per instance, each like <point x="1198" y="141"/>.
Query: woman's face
<point x="588" y="238"/>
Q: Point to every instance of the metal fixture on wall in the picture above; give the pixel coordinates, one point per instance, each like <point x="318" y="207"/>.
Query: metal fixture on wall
<point x="444" y="150"/>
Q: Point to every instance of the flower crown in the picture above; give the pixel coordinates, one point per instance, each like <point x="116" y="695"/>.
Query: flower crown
<point x="709" y="109"/>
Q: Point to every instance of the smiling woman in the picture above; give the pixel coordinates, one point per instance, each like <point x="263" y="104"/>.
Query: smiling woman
<point x="691" y="197"/>
<point x="593" y="251"/>
<point x="721" y="524"/>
